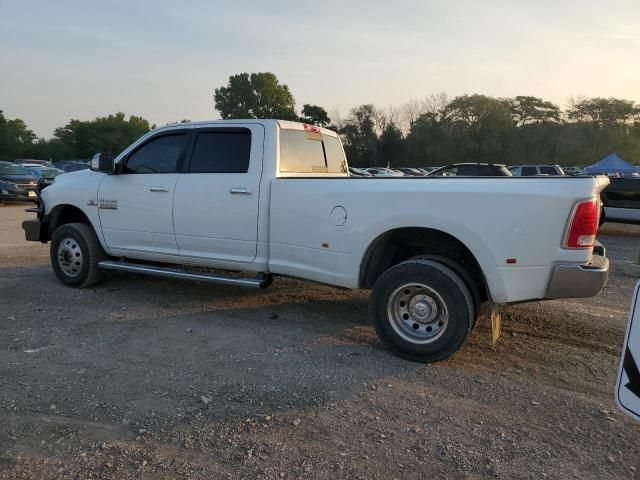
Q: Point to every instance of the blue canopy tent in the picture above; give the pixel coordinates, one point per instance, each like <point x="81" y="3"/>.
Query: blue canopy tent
<point x="612" y="164"/>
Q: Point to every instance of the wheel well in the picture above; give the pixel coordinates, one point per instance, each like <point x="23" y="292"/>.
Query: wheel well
<point x="398" y="245"/>
<point x="63" y="214"/>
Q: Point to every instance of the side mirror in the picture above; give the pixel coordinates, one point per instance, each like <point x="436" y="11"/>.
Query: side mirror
<point x="103" y="162"/>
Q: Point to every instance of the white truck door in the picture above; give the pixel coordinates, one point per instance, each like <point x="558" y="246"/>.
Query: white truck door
<point x="136" y="204"/>
<point x="216" y="202"/>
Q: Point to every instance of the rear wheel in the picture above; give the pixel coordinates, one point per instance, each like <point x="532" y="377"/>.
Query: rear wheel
<point x="75" y="253"/>
<point x="422" y="310"/>
<point x="464" y="275"/>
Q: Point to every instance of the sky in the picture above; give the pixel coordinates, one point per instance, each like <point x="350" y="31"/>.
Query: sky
<point x="162" y="60"/>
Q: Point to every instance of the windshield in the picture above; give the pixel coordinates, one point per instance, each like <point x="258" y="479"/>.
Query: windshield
<point x="10" y="169"/>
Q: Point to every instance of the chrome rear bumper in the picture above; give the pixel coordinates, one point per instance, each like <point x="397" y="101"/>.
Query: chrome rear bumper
<point x="579" y="281"/>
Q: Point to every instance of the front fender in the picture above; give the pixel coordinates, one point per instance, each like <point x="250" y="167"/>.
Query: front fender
<point x="77" y="190"/>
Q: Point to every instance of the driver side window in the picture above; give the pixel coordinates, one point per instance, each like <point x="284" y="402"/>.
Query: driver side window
<point x="158" y="155"/>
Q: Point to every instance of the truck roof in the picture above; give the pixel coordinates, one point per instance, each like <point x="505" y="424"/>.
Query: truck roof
<point x="284" y="124"/>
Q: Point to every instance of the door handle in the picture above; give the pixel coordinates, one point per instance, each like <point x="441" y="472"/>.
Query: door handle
<point x="241" y="190"/>
<point x="158" y="189"/>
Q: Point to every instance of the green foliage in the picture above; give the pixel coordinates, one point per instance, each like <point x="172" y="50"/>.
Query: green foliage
<point x="77" y="139"/>
<point x="15" y="138"/>
<point x="359" y="137"/>
<point x="105" y="134"/>
<point x="603" y="111"/>
<point x="526" y="110"/>
<point x="256" y="95"/>
<point x="315" y="115"/>
<point x="391" y="148"/>
<point x="469" y="128"/>
<point x="430" y="143"/>
<point x="480" y="126"/>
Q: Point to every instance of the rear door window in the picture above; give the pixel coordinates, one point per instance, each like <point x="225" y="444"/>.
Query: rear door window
<point x="221" y="151"/>
<point x="310" y="152"/>
<point x="336" y="160"/>
<point x="529" y="171"/>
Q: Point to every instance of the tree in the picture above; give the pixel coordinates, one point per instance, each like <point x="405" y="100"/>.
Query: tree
<point x="603" y="122"/>
<point x="315" y="115"/>
<point x="602" y="111"/>
<point x="482" y="125"/>
<point x="256" y="95"/>
<point x="359" y="137"/>
<point x="15" y="138"/>
<point x="430" y="142"/>
<point x="391" y="147"/>
<point x="527" y="110"/>
<point x="531" y="114"/>
<point x="107" y="134"/>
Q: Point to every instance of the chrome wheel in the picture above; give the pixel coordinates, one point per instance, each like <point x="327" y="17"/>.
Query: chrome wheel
<point x="70" y="257"/>
<point x="417" y="313"/>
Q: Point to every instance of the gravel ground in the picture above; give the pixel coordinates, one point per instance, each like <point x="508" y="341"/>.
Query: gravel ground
<point x="153" y="378"/>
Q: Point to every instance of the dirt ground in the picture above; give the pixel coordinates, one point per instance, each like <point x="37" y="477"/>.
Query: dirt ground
<point x="152" y="378"/>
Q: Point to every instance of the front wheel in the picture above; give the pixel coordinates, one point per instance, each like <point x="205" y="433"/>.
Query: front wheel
<point x="422" y="310"/>
<point x="75" y="254"/>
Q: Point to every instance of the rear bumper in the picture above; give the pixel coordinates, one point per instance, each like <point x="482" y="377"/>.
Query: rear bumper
<point x="579" y="281"/>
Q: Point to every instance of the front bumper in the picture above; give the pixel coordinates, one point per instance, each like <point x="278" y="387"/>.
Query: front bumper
<point x="36" y="230"/>
<point x="22" y="196"/>
<point x="580" y="281"/>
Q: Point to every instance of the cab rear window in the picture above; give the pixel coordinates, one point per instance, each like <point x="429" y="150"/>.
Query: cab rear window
<point x="310" y="152"/>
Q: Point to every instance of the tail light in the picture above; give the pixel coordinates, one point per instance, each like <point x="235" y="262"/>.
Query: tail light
<point x="584" y="225"/>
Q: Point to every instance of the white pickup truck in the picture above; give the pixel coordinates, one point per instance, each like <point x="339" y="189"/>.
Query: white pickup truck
<point x="270" y="197"/>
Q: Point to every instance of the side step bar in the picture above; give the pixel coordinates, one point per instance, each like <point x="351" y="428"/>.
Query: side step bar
<point x="262" y="280"/>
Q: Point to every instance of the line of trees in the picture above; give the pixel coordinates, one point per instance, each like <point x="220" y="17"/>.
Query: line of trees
<point x="436" y="130"/>
<point x="77" y="139"/>
<point x="468" y="128"/>
<point x="478" y="128"/>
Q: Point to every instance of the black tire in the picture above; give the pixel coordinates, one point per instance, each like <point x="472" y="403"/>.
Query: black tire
<point x="444" y="288"/>
<point x="81" y="242"/>
<point x="464" y="274"/>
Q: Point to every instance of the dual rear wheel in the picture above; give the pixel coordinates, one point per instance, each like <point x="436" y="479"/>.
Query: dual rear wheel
<point x="422" y="309"/>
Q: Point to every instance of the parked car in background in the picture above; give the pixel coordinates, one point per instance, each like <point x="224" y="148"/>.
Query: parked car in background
<point x="359" y="172"/>
<point x="384" y="172"/>
<point x="412" y="172"/>
<point x="62" y="163"/>
<point x="427" y="170"/>
<point x="621" y="200"/>
<point x="74" y="166"/>
<point x="30" y="161"/>
<point x="471" y="170"/>
<point x="573" y="171"/>
<point x="17" y="183"/>
<point x="42" y="171"/>
<point x="533" y="170"/>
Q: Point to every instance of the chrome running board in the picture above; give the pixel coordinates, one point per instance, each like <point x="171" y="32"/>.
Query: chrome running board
<point x="262" y="280"/>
